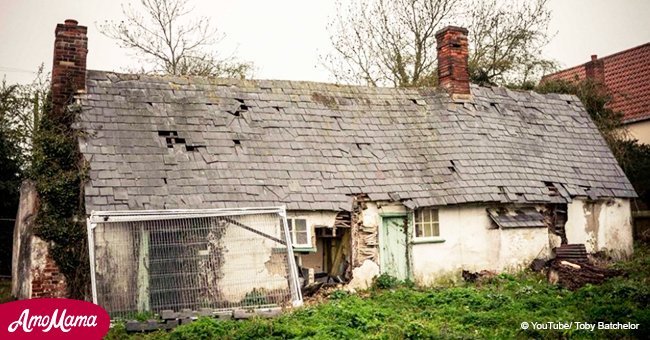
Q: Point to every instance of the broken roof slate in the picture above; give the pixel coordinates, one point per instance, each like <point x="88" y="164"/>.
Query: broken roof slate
<point x="193" y="142"/>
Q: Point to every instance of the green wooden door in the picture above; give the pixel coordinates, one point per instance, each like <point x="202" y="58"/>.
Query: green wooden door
<point x="393" y="247"/>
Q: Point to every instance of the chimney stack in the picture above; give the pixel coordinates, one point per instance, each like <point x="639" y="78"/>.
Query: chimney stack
<point x="595" y="69"/>
<point x="453" y="73"/>
<point x="69" y="66"/>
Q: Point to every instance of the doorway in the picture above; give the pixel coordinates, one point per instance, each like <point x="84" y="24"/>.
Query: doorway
<point x="393" y="246"/>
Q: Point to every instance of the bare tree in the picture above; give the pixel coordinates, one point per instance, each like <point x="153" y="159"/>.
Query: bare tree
<point x="392" y="42"/>
<point x="507" y="40"/>
<point x="386" y="42"/>
<point x="163" y="36"/>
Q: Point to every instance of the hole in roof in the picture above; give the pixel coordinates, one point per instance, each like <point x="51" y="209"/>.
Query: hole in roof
<point x="277" y="108"/>
<point x="502" y="189"/>
<point x="235" y="113"/>
<point x="165" y="133"/>
<point x="209" y="104"/>
<point x="569" y="102"/>
<point x="193" y="147"/>
<point x="236" y="141"/>
<point x="519" y="194"/>
<point x="553" y="191"/>
<point x="415" y="101"/>
<point x="452" y="168"/>
<point x="241" y="101"/>
<point x="171" y="138"/>
<point x="150" y="103"/>
<point x="455" y="45"/>
<point x="243" y="107"/>
<point x="165" y="180"/>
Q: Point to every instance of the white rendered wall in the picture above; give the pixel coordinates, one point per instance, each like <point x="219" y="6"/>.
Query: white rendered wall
<point x="602" y="225"/>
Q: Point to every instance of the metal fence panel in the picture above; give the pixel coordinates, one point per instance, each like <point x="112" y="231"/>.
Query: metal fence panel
<point x="191" y="259"/>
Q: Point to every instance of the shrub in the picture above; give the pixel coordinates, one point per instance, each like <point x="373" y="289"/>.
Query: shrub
<point x="385" y="281"/>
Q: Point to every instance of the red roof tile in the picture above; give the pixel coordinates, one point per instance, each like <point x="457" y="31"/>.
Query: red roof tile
<point x="627" y="77"/>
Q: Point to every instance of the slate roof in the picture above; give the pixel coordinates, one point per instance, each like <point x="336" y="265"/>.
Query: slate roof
<point x="157" y="142"/>
<point x="627" y="77"/>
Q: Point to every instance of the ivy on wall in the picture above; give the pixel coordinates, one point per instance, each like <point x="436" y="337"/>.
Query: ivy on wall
<point x="59" y="172"/>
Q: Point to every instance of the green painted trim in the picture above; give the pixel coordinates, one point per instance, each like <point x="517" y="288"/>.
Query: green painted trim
<point x="304" y="250"/>
<point x="428" y="240"/>
<point x="393" y="214"/>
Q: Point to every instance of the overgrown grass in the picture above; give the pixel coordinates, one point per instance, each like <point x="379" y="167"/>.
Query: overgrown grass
<point x="5" y="291"/>
<point x="492" y="309"/>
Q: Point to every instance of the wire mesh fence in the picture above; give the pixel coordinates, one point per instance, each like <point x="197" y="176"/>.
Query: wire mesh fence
<point x="219" y="259"/>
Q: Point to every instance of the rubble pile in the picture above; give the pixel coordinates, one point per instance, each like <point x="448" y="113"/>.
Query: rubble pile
<point x="573" y="275"/>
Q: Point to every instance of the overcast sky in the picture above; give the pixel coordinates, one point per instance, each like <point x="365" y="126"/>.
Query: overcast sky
<point x="284" y="38"/>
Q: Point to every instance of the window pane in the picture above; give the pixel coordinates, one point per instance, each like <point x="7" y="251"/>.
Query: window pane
<point x="289" y="224"/>
<point x="426" y="223"/>
<point x="435" y="229"/>
<point x="301" y="225"/>
<point x="427" y="230"/>
<point x="301" y="237"/>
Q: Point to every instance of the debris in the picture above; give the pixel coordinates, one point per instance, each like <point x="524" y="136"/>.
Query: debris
<point x="572" y="265"/>
<point x="312" y="288"/>
<point x="576" y="253"/>
<point x="478" y="276"/>
<point x="572" y="276"/>
<point x="538" y="265"/>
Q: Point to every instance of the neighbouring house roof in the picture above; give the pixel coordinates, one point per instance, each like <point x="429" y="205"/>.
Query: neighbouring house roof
<point x="163" y="142"/>
<point x="627" y="77"/>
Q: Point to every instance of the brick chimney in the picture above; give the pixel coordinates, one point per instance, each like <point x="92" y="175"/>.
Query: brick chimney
<point x="453" y="74"/>
<point x="69" y="67"/>
<point x="595" y="69"/>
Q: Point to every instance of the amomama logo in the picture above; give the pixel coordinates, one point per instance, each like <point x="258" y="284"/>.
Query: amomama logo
<point x="52" y="319"/>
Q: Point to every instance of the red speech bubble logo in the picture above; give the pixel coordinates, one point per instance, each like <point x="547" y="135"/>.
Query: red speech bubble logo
<point x="52" y="319"/>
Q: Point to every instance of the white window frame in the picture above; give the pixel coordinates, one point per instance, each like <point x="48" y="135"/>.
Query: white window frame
<point x="291" y="222"/>
<point x="426" y="218"/>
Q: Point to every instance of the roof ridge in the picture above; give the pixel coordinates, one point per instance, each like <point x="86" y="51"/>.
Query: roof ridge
<point x="234" y="81"/>
<point x="601" y="58"/>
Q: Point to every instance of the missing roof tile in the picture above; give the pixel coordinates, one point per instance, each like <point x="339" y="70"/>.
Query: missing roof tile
<point x="190" y="148"/>
<point x="361" y="145"/>
<point x="171" y="137"/>
<point x="452" y="168"/>
<point x="242" y="106"/>
<point x="277" y="108"/>
<point x="553" y="191"/>
<point x="164" y="180"/>
<point x="236" y="141"/>
<point x="150" y="103"/>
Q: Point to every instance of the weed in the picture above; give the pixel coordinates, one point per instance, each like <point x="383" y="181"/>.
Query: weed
<point x="493" y="309"/>
<point x="385" y="281"/>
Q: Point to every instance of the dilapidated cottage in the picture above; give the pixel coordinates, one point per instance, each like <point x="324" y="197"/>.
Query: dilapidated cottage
<point x="418" y="183"/>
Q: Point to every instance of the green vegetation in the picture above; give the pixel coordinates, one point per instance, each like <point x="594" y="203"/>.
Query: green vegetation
<point x="5" y="291"/>
<point x="494" y="308"/>
<point x="59" y="172"/>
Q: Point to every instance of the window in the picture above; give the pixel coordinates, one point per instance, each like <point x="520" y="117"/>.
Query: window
<point x="426" y="223"/>
<point x="300" y="234"/>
